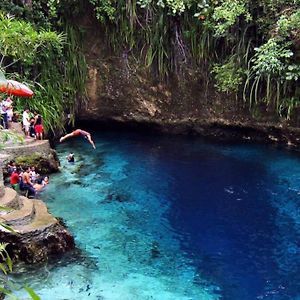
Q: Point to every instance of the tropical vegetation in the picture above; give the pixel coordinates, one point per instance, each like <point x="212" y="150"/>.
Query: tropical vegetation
<point x="45" y="58"/>
<point x="246" y="48"/>
<point x="249" y="48"/>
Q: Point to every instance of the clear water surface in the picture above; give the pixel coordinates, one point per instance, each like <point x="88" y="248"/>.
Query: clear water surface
<point x="177" y="218"/>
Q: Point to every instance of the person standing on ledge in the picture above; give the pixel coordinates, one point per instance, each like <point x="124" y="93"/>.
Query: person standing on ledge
<point x="79" y="132"/>
<point x="26" y="121"/>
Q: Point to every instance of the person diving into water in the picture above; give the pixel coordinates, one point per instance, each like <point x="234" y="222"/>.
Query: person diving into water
<point x="79" y="132"/>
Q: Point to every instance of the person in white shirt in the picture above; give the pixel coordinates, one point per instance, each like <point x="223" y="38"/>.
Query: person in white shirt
<point x="9" y="109"/>
<point x="26" y="122"/>
<point x="33" y="175"/>
<point x="3" y="120"/>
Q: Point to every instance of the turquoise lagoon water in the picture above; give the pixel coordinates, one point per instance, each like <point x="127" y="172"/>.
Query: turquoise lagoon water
<point x="177" y="218"/>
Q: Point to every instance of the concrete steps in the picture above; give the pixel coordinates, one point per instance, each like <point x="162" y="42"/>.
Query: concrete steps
<point x="28" y="144"/>
<point x="21" y="216"/>
<point x="24" y="215"/>
<point x="40" y="221"/>
<point x="10" y="199"/>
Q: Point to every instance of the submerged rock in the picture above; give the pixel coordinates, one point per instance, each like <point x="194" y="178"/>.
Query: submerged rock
<point x="155" y="252"/>
<point x="112" y="197"/>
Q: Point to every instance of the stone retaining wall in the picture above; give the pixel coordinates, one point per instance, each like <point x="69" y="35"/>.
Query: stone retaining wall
<point x="33" y="153"/>
<point x="39" y="147"/>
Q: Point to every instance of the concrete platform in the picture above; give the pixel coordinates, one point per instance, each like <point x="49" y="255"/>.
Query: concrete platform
<point x="25" y="215"/>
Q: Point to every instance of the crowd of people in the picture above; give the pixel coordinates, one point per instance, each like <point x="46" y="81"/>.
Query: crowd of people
<point x="26" y="179"/>
<point x="32" y="122"/>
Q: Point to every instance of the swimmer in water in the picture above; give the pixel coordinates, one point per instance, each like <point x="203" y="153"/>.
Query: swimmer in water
<point x="79" y="132"/>
<point x="71" y="158"/>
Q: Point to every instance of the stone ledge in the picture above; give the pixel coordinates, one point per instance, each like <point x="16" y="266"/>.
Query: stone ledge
<point x="20" y="216"/>
<point x="41" y="147"/>
<point x="30" y="144"/>
<point x="10" y="199"/>
<point x="41" y="220"/>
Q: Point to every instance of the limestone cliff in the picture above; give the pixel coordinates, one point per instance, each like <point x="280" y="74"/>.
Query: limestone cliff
<point x="121" y="89"/>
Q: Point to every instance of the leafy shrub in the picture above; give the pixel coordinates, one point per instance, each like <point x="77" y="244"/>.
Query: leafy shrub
<point x="227" y="14"/>
<point x="228" y="77"/>
<point x="271" y="58"/>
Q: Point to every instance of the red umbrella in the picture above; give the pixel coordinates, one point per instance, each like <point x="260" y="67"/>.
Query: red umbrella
<point x="15" y="88"/>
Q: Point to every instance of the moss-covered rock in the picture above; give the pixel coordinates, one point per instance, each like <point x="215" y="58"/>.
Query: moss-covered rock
<point x="44" y="164"/>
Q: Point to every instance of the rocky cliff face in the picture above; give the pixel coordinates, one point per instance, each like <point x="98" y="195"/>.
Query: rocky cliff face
<point x="120" y="89"/>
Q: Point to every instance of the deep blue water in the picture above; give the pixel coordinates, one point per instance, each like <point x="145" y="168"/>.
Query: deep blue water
<point x="165" y="217"/>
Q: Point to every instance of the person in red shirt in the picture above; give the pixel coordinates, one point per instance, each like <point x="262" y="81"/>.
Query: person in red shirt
<point x="14" y="179"/>
<point x="38" y="127"/>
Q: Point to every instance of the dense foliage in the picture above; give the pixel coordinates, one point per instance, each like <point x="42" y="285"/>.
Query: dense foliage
<point x="42" y="50"/>
<point x="248" y="48"/>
